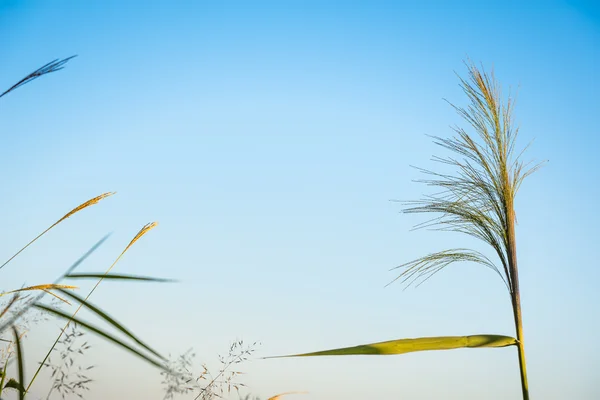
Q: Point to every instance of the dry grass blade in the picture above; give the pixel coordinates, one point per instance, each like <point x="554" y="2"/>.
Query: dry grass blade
<point x="44" y="287"/>
<point x="9" y="305"/>
<point x="87" y="204"/>
<point x="52" y="66"/>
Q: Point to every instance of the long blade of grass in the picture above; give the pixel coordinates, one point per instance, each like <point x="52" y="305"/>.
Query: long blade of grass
<point x="109" y="320"/>
<point x="80" y="207"/>
<point x="402" y="346"/>
<point x="20" y="363"/>
<point x="100" y="333"/>
<point x="124" y="277"/>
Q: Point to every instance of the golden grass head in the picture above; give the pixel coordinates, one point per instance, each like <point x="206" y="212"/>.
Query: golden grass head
<point x="87" y="204"/>
<point x="145" y="229"/>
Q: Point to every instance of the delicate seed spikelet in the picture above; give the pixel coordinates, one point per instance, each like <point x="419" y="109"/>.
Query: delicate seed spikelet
<point x="88" y="203"/>
<point x="141" y="233"/>
<point x="44" y="287"/>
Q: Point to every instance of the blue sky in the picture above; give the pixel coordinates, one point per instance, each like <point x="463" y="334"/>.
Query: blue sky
<point x="267" y="139"/>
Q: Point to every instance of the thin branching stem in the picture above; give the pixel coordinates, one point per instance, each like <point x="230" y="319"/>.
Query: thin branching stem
<point x="478" y="198"/>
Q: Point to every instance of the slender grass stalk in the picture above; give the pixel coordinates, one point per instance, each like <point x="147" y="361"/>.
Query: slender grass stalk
<point x="80" y="207"/>
<point x="479" y="199"/>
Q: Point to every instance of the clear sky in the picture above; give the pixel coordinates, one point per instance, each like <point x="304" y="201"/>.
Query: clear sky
<point x="267" y="139"/>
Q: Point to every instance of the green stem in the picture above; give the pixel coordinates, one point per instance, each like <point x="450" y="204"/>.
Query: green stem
<point x="521" y="348"/>
<point x="516" y="294"/>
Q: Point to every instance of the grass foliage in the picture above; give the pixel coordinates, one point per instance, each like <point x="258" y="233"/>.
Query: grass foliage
<point x="21" y="304"/>
<point x="66" y="358"/>
<point x="476" y="200"/>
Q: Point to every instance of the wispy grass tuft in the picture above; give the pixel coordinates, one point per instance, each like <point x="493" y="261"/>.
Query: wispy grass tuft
<point x="179" y="379"/>
<point x="69" y="376"/>
<point x="478" y="198"/>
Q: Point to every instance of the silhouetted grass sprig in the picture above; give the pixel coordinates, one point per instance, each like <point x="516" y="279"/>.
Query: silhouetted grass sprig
<point x="52" y="66"/>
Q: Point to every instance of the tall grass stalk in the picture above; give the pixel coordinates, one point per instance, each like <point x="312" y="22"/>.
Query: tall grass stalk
<point x="477" y="200"/>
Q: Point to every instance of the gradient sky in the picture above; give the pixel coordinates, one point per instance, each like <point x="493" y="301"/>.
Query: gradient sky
<point x="267" y="139"/>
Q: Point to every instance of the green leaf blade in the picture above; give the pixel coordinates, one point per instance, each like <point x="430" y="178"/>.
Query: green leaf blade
<point x="13" y="384"/>
<point x="123" y="277"/>
<point x="157" y="363"/>
<point x="402" y="346"/>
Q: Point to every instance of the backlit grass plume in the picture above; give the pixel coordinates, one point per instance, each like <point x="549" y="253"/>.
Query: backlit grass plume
<point x="477" y="200"/>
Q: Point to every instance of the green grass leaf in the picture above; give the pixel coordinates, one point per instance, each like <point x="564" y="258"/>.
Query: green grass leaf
<point x="20" y="364"/>
<point x="13" y="384"/>
<point x="117" y="277"/>
<point x="402" y="346"/>
<point x="109" y="320"/>
<point x="103" y="334"/>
